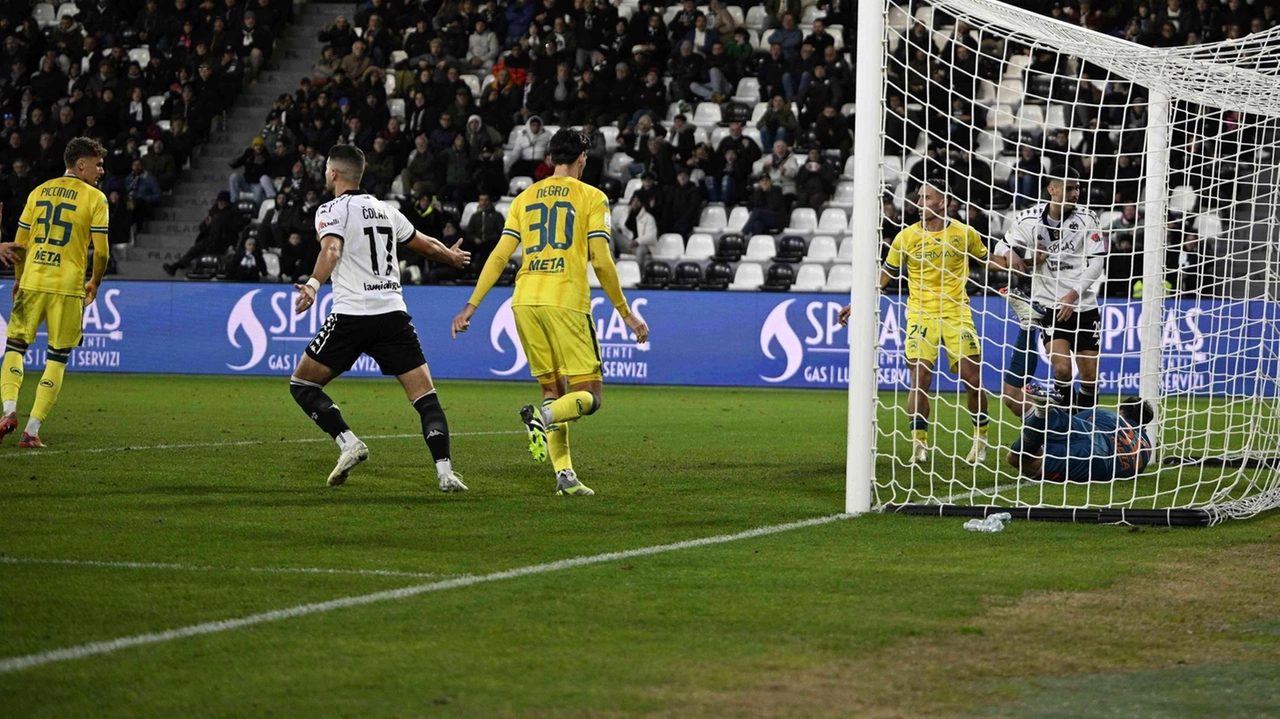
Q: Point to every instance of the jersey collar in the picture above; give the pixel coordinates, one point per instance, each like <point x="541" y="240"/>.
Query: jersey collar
<point x="356" y="191"/>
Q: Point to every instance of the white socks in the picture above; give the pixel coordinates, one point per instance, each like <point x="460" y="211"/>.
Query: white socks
<point x="10" y="406"/>
<point x="346" y="439"/>
<point x="33" y="427"/>
<point x="443" y="468"/>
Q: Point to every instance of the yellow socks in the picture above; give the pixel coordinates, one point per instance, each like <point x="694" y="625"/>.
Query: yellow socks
<point x="570" y="407"/>
<point x="10" y="380"/>
<point x="47" y="392"/>
<point x="558" y="445"/>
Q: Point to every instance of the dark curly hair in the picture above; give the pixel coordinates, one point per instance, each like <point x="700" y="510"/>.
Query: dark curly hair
<point x="567" y="145"/>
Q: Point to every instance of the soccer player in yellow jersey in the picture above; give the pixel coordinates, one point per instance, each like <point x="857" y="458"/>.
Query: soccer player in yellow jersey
<point x="61" y="218"/>
<point x="561" y="223"/>
<point x="934" y="255"/>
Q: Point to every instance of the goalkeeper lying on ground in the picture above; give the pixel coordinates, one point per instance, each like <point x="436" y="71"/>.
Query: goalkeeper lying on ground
<point x="1096" y="445"/>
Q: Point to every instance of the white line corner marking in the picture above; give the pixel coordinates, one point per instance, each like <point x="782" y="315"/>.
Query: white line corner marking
<point x="94" y="648"/>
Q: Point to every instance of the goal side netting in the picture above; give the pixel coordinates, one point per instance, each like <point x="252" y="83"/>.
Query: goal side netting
<point x="1178" y="165"/>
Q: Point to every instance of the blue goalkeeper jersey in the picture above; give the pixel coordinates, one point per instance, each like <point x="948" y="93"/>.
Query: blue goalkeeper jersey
<point x="1096" y="445"/>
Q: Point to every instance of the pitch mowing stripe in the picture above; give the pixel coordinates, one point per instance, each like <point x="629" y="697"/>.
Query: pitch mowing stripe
<point x="242" y="443"/>
<point x="200" y="568"/>
<point x="14" y="664"/>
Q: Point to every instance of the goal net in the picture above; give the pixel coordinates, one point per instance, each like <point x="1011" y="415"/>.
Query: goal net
<point x="1175" y="151"/>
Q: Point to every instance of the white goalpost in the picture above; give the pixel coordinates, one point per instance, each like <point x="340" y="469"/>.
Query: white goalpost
<point x="1177" y="155"/>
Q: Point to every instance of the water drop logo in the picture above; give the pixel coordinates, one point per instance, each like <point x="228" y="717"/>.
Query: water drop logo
<point x="504" y="325"/>
<point x="777" y="329"/>
<point x="243" y="319"/>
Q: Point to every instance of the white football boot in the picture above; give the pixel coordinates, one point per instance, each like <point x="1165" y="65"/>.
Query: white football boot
<point x="350" y="457"/>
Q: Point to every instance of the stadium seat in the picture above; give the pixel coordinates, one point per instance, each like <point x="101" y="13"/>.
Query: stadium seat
<point x="758" y="112"/>
<point x="729" y="248"/>
<point x="632" y="185"/>
<point x="843" y="197"/>
<point x="467" y="211"/>
<point x="717" y="136"/>
<point x="670" y="247"/>
<point x="760" y="249"/>
<point x="891" y="169"/>
<point x="140" y="55"/>
<point x="833" y="219"/>
<point x="748" y="277"/>
<point x="713" y="220"/>
<point x="707" y="114"/>
<point x="610" y="137"/>
<point x="503" y="207"/>
<point x="840" y="279"/>
<point x="1031" y="119"/>
<point x="687" y="277"/>
<point x="657" y="275"/>
<point x="164" y="126"/>
<point x="1183" y="199"/>
<point x="738" y="219"/>
<point x="699" y="247"/>
<point x="779" y="278"/>
<point x="1209" y="225"/>
<point x="399" y="56"/>
<point x="748" y="91"/>
<point x="44" y="15"/>
<point x="790" y="249"/>
<point x="756" y="18"/>
<point x="518" y="184"/>
<point x="804" y="220"/>
<point x="395" y="106"/>
<point x="618" y="163"/>
<point x="272" y="261"/>
<point x="810" y="278"/>
<point x="619" y="212"/>
<point x="717" y="276"/>
<point x="267" y="205"/>
<point x="845" y="253"/>
<point x="1055" y="117"/>
<point x="473" y="83"/>
<point x="628" y="273"/>
<point x="156" y="103"/>
<point x="821" y="249"/>
<point x="67" y="8"/>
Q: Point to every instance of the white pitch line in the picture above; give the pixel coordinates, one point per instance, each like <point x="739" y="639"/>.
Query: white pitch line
<point x="13" y="664"/>
<point x="201" y="568"/>
<point x="241" y="443"/>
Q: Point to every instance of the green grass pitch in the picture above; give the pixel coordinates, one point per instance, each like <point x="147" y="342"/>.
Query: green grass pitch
<point x="873" y="616"/>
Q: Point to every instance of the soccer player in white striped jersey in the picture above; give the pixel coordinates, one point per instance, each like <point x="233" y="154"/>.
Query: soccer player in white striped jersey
<point x="358" y="237"/>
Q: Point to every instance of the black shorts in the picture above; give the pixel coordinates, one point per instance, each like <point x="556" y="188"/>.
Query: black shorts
<point x="389" y="339"/>
<point x="1082" y="330"/>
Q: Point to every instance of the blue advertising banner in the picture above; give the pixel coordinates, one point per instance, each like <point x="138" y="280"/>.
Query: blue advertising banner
<point x="698" y="338"/>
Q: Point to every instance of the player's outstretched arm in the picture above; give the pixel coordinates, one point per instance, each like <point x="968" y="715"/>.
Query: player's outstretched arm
<point x="433" y="249"/>
<point x="493" y="268"/>
<point x="330" y="251"/>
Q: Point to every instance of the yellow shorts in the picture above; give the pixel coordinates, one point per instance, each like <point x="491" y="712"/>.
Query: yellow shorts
<point x="559" y="342"/>
<point x="956" y="332"/>
<point x="62" y="314"/>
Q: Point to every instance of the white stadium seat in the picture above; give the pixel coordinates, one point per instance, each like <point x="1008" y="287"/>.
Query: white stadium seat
<point x="756" y="17"/>
<point x="670" y="247"/>
<point x="272" y="261"/>
<point x="713" y="218"/>
<point x="395" y="106"/>
<point x="844" y="195"/>
<point x="840" y="279"/>
<point x="707" y="114"/>
<point x="628" y="273"/>
<point x="397" y="56"/>
<point x="761" y="248"/>
<point x="633" y="184"/>
<point x="620" y="211"/>
<point x="738" y="219"/>
<point x="833" y="219"/>
<point x="717" y="136"/>
<point x="1183" y="199"/>
<point x="518" y="184"/>
<point x="67" y="8"/>
<point x="748" y="91"/>
<point x="821" y="249"/>
<point x="503" y="207"/>
<point x="156" y="103"/>
<point x="44" y="14"/>
<point x="810" y="278"/>
<point x="845" y="254"/>
<point x="750" y="276"/>
<point x="468" y="210"/>
<point x="610" y="137"/>
<point x="473" y="83"/>
<point x="701" y="246"/>
<point x="140" y="55"/>
<point x="804" y="220"/>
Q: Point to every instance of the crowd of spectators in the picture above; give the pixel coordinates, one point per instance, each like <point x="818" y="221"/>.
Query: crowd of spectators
<point x="146" y="78"/>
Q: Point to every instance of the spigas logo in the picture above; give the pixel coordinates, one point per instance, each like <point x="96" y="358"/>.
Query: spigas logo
<point x="246" y="330"/>
<point x="821" y="351"/>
